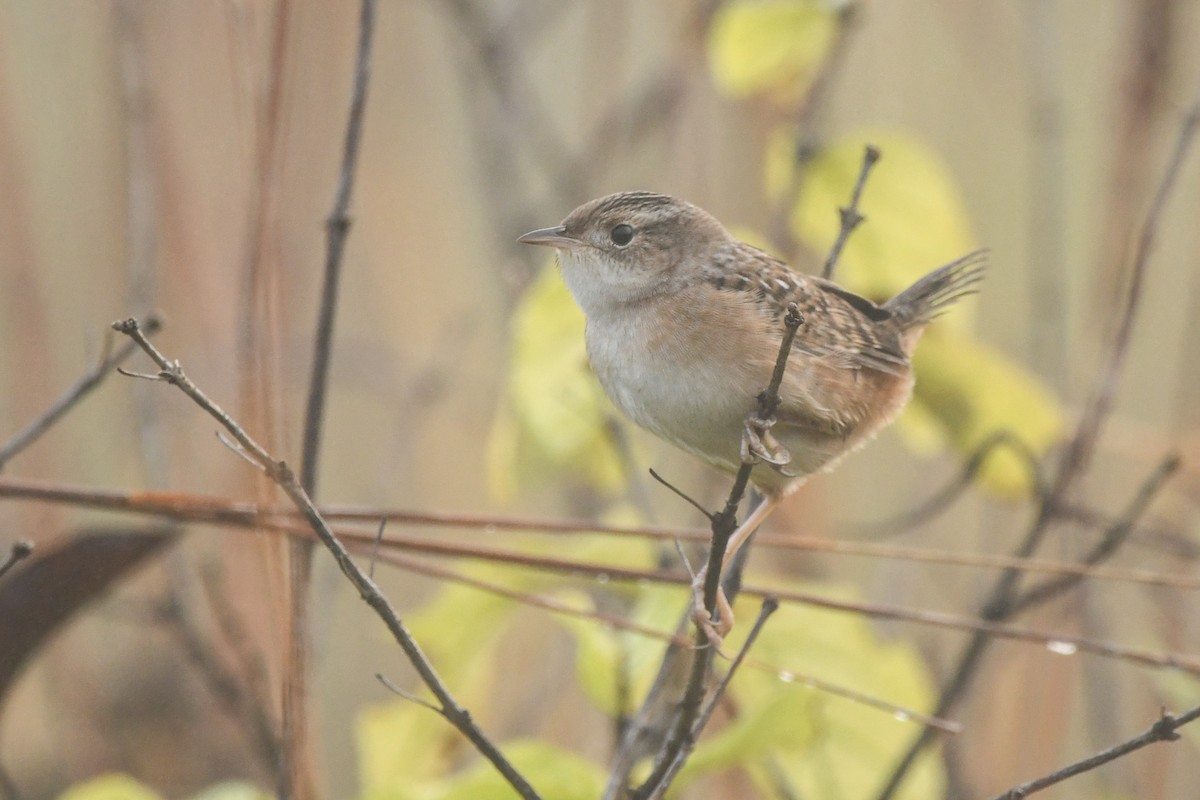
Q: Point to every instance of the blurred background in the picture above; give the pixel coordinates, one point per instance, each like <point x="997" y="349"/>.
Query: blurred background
<point x="183" y="157"/>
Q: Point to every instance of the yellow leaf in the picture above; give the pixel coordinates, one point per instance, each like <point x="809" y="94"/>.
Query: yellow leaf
<point x="915" y="218"/>
<point x="399" y="747"/>
<point x="555" y="416"/>
<point x="770" y="47"/>
<point x="974" y="392"/>
<point x="602" y="652"/>
<point x="555" y="772"/>
<point x="110" y="787"/>
<point x="827" y="745"/>
<point x="231" y="790"/>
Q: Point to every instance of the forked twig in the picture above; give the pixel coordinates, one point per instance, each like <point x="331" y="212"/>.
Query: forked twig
<point x="1003" y="596"/>
<point x="1163" y="730"/>
<point x="849" y="216"/>
<point x="285" y="478"/>
<point x="80" y="389"/>
<point x="724" y="524"/>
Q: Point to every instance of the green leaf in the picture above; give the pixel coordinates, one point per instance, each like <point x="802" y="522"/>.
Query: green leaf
<point x="826" y="745"/>
<point x="555" y="415"/>
<point x="110" y="787"/>
<point x="974" y="392"/>
<point x="771" y="47"/>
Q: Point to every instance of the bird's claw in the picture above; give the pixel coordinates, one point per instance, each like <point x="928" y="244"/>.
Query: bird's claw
<point x="759" y="444"/>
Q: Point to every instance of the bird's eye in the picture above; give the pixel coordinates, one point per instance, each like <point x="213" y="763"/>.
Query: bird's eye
<point x="621" y="235"/>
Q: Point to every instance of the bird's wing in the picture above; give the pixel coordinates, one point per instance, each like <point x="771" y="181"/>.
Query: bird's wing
<point x="839" y="327"/>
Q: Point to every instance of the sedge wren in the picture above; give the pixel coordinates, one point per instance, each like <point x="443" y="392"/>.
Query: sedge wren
<point x="684" y="325"/>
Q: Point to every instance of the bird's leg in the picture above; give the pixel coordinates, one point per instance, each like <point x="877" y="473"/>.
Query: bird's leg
<point x="759" y="444"/>
<point x="724" y="622"/>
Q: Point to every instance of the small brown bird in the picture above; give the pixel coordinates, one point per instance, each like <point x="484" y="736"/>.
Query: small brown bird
<point x="684" y="325"/>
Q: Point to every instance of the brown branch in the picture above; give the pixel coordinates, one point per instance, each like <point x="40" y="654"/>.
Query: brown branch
<point x="337" y="227"/>
<point x="941" y="499"/>
<point x="849" y="216"/>
<point x="1112" y="539"/>
<point x="1079" y="451"/>
<point x="807" y="140"/>
<point x="723" y="526"/>
<point x="80" y="389"/>
<point x="1164" y="730"/>
<point x="1006" y="603"/>
<point x="285" y="478"/>
<point x="769" y="606"/>
<point x="617" y="622"/>
<point x="245" y="517"/>
<point x="209" y="508"/>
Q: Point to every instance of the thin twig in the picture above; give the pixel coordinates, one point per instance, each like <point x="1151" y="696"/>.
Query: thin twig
<point x="769" y="606"/>
<point x="375" y="547"/>
<point x="21" y="550"/>
<point x="941" y="499"/>
<point x="1112" y="539"/>
<point x="617" y="622"/>
<point x="849" y="216"/>
<point x="182" y="509"/>
<point x="337" y="226"/>
<point x="285" y="478"/>
<point x="208" y="508"/>
<point x="85" y="384"/>
<point x="1164" y="730"/>
<point x="396" y="690"/>
<point x="723" y="526"/>
<point x="806" y="140"/>
<point x="1004" y="603"/>
<point x="1079" y="450"/>
<point x="682" y="495"/>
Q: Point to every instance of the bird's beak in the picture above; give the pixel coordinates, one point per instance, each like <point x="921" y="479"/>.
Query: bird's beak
<point x="551" y="237"/>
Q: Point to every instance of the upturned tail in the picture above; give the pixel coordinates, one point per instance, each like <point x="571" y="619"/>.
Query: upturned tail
<point x="929" y="297"/>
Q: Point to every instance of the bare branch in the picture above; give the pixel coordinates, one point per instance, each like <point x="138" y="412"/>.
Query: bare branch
<point x="80" y="389"/>
<point x="285" y="478"/>
<point x="769" y="606"/>
<point x="849" y="216"/>
<point x="1079" y="451"/>
<point x="1164" y="730"/>
<point x="724" y="524"/>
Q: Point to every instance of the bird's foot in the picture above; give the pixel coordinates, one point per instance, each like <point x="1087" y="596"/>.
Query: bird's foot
<point x="759" y="444"/>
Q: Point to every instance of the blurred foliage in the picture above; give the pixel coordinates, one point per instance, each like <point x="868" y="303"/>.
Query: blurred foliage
<point x="966" y="392"/>
<point x="554" y="416"/>
<point x="826" y="745"/>
<point x="123" y="787"/>
<point x="552" y="426"/>
<point x="915" y="220"/>
<point x="915" y="216"/>
<point x="770" y="47"/>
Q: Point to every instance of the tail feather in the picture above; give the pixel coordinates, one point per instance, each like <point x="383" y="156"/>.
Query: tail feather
<point x="929" y="297"/>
